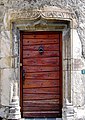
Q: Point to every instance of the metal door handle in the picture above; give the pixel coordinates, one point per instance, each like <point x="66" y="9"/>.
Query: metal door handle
<point x="23" y="75"/>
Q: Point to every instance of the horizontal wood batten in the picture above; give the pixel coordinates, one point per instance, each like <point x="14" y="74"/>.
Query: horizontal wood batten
<point x="48" y="47"/>
<point x="35" y="103"/>
<point x="40" y="68"/>
<point x="29" y="54"/>
<point x="51" y="35"/>
<point x="44" y="114"/>
<point x="39" y="97"/>
<point x="41" y="108"/>
<point x="41" y="61"/>
<point x="43" y="90"/>
<point x="41" y="83"/>
<point x="40" y="41"/>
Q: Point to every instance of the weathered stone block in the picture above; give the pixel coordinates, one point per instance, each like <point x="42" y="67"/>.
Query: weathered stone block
<point x="77" y="89"/>
<point x="5" y="62"/>
<point x="78" y="64"/>
<point x="6" y="77"/>
<point x="76" y="48"/>
<point x="5" y="44"/>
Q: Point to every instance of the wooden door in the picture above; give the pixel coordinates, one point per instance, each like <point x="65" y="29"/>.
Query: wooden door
<point x="41" y="74"/>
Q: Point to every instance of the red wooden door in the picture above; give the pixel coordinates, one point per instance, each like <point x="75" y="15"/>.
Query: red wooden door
<point x="41" y="74"/>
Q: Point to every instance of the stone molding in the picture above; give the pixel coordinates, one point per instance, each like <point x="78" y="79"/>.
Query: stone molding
<point x="47" y="13"/>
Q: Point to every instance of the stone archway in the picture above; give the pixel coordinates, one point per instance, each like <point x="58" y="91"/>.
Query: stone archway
<point x="46" y="19"/>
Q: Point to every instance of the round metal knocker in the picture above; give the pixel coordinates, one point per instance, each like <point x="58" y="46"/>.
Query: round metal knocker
<point x="41" y="50"/>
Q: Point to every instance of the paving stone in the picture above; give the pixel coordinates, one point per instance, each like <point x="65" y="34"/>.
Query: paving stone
<point x="40" y="119"/>
<point x="51" y="118"/>
<point x="44" y="119"/>
<point x="29" y="119"/>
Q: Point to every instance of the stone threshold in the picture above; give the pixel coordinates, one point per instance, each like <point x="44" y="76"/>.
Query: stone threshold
<point x="41" y="119"/>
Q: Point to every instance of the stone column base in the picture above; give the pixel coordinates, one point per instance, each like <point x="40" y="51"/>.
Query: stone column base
<point x="68" y="112"/>
<point x="14" y="111"/>
<point x="79" y="113"/>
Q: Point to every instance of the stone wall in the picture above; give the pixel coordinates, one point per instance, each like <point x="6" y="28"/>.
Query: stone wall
<point x="74" y="60"/>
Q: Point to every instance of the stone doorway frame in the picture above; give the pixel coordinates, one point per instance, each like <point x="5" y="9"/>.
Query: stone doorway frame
<point x="45" y="19"/>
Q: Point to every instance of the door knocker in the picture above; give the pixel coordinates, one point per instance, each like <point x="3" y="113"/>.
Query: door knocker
<point x="41" y="50"/>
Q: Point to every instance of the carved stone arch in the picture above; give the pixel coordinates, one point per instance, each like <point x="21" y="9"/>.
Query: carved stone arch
<point x="45" y="19"/>
<point x="48" y="13"/>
